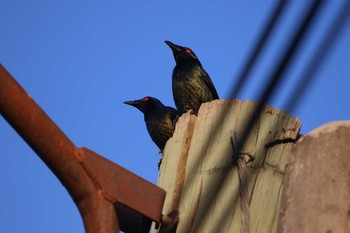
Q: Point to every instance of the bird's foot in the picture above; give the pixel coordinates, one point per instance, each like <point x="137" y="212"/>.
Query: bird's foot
<point x="193" y="112"/>
<point x="160" y="153"/>
<point x="159" y="163"/>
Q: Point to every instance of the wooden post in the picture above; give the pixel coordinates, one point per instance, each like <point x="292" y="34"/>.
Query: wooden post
<point x="199" y="171"/>
<point x="316" y="195"/>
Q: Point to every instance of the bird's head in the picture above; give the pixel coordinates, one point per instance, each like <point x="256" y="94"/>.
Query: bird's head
<point x="182" y="54"/>
<point x="145" y="104"/>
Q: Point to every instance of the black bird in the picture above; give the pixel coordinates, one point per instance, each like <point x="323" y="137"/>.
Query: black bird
<point x="160" y="120"/>
<point x="192" y="85"/>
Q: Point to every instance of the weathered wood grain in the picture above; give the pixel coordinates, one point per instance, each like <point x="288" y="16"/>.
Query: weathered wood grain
<point x="205" y="187"/>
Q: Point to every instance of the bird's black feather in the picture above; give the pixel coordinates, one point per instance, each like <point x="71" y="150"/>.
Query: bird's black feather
<point x="159" y="119"/>
<point x="191" y="84"/>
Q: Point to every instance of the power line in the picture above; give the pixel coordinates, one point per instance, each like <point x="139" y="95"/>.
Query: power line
<point x="318" y="57"/>
<point x="277" y="73"/>
<point x="252" y="58"/>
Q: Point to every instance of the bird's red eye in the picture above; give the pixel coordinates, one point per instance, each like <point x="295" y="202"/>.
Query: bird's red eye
<point x="145" y="99"/>
<point x="188" y="51"/>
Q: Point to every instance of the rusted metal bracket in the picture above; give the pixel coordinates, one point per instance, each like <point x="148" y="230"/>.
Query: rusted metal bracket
<point x="120" y="185"/>
<point x="103" y="191"/>
<point x="169" y="222"/>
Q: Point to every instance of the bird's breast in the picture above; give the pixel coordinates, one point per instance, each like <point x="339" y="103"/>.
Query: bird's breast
<point x="159" y="126"/>
<point x="189" y="88"/>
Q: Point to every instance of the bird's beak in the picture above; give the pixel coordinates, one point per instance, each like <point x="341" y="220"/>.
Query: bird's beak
<point x="132" y="103"/>
<point x="173" y="46"/>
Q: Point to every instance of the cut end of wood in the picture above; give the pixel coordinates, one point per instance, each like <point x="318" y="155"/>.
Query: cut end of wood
<point x="199" y="171"/>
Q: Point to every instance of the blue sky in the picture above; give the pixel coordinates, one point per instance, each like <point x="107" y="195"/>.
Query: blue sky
<point x="81" y="59"/>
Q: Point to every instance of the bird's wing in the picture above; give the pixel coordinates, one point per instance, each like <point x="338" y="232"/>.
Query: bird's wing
<point x="174" y="114"/>
<point x="210" y="85"/>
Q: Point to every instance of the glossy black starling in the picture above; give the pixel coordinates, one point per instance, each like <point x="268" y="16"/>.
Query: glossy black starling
<point x="192" y="85"/>
<point x="160" y="120"/>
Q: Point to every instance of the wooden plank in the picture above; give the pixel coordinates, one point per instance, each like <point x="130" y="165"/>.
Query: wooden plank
<point x="209" y="200"/>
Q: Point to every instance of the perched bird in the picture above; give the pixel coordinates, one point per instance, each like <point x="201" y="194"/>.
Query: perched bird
<point x="160" y="120"/>
<point x="192" y="85"/>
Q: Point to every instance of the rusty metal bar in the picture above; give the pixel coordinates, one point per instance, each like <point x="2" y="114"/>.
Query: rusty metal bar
<point x="121" y="185"/>
<point x="37" y="129"/>
<point x="57" y="151"/>
<point x="95" y="183"/>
